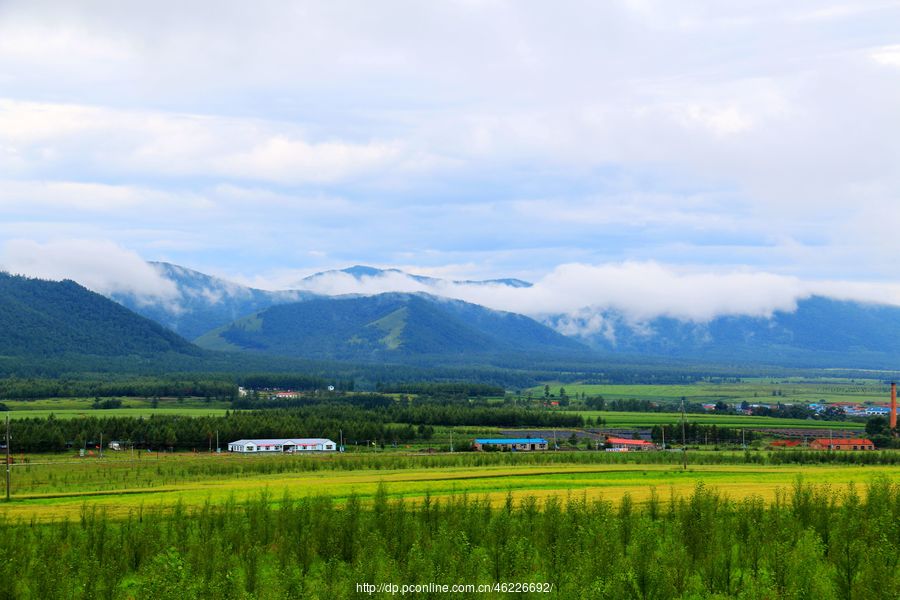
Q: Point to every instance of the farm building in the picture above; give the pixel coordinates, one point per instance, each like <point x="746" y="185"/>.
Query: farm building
<point x="841" y="444"/>
<point x="511" y="444"/>
<point x="288" y="445"/>
<point x="786" y="444"/>
<point x="616" y="444"/>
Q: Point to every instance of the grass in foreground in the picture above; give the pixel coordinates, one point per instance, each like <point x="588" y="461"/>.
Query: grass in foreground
<point x="809" y="542"/>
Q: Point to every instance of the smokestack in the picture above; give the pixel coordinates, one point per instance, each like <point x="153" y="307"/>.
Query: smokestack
<point x="893" y="405"/>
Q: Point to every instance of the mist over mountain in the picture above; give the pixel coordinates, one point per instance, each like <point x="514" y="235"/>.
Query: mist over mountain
<point x="820" y="332"/>
<point x="393" y="326"/>
<point x="203" y="302"/>
<point x="360" y="272"/>
<point x="745" y="322"/>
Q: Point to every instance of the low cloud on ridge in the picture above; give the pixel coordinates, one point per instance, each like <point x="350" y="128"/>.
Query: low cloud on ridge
<point x="99" y="265"/>
<point x="640" y="291"/>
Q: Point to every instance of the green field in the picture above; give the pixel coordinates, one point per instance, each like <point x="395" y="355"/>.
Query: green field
<point x="71" y="413"/>
<point x="754" y="390"/>
<point x="67" y="408"/>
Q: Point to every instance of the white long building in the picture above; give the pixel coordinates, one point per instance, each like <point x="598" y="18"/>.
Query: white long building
<point x="288" y="445"/>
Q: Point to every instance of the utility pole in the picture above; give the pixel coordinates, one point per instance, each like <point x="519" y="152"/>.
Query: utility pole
<point x="7" y="458"/>
<point x="743" y="443"/>
<point x="451" y="440"/>
<point x="683" y="438"/>
<point x="217" y="441"/>
<point x="101" y="445"/>
<point x="663" y="428"/>
<point x="341" y="449"/>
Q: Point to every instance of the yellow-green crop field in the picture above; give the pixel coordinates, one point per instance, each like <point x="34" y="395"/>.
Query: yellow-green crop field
<point x="126" y="486"/>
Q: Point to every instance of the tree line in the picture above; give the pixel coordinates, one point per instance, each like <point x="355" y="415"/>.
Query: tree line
<point x="386" y="424"/>
<point x="696" y="433"/>
<point x="141" y="387"/>
<point x="458" y="389"/>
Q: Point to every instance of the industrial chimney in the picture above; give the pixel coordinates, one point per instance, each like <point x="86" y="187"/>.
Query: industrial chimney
<point x="893" y="422"/>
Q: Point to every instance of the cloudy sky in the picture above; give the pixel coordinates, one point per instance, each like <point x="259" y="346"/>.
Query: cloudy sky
<point x="705" y="142"/>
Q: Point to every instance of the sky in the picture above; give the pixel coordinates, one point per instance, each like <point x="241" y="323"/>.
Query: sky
<point x="744" y="151"/>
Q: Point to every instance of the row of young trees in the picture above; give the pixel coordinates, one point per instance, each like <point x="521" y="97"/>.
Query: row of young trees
<point x="696" y="433"/>
<point x="810" y="543"/>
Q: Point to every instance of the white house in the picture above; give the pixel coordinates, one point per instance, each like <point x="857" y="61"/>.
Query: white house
<point x="289" y="445"/>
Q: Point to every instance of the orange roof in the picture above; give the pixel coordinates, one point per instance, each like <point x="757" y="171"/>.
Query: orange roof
<point x="615" y="440"/>
<point x="786" y="443"/>
<point x="843" y="442"/>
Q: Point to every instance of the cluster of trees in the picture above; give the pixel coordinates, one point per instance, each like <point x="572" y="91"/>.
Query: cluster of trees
<point x="879" y="431"/>
<point x="431" y="389"/>
<point x="220" y="387"/>
<point x="106" y="404"/>
<point x="810" y="544"/>
<point x="637" y="405"/>
<point x="695" y="433"/>
<point x="384" y="424"/>
<point x="260" y="400"/>
<point x="293" y="381"/>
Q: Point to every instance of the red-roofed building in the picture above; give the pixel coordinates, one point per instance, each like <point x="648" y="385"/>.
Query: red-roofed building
<point x="615" y="444"/>
<point x="786" y="443"/>
<point x="839" y="444"/>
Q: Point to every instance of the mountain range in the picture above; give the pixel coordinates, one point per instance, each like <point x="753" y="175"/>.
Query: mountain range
<point x="358" y="272"/>
<point x="204" y="302"/>
<point x="821" y="332"/>
<point x="49" y="318"/>
<point x="390" y="326"/>
<point x="43" y="317"/>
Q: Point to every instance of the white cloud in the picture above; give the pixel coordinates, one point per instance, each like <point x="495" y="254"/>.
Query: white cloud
<point x="101" y="266"/>
<point x="274" y="139"/>
<point x="96" y="197"/>
<point x="639" y="290"/>
<point x="279" y="158"/>
<point x="106" y="142"/>
<point x="887" y="55"/>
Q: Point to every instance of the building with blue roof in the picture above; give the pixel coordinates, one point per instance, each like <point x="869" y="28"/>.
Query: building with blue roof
<point x="510" y="444"/>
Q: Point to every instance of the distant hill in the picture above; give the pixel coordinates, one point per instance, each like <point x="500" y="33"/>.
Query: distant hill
<point x="50" y="318"/>
<point x="205" y="302"/>
<point x="360" y="271"/>
<point x="390" y="326"/>
<point x="820" y="332"/>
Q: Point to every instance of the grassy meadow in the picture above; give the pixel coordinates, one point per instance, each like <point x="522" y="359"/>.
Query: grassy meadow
<point x="68" y="408"/>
